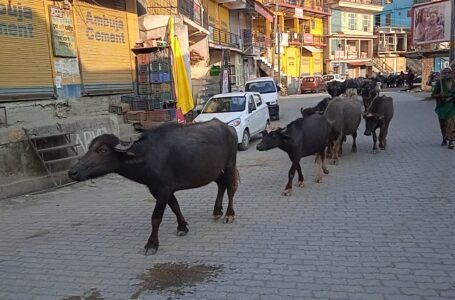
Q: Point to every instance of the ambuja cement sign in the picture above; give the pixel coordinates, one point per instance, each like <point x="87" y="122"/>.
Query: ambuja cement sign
<point x="16" y="19"/>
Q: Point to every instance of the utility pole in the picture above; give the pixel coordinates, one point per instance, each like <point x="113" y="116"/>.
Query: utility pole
<point x="452" y="35"/>
<point x="276" y="31"/>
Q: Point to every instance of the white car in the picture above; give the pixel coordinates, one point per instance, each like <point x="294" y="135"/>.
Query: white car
<point x="332" y="77"/>
<point x="269" y="92"/>
<point x="245" y="111"/>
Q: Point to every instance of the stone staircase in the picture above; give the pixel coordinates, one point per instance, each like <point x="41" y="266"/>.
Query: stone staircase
<point x="205" y="88"/>
<point x="381" y="65"/>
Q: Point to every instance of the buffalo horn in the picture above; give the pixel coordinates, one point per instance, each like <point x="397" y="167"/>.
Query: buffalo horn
<point x="124" y="148"/>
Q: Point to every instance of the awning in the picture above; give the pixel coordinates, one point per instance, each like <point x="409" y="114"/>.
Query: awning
<point x="312" y="49"/>
<point x="263" y="11"/>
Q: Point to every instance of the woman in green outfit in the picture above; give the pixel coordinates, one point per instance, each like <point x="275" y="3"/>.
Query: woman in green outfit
<point x="444" y="92"/>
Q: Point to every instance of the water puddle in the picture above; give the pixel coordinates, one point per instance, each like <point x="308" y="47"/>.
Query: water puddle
<point x="38" y="234"/>
<point x="174" y="277"/>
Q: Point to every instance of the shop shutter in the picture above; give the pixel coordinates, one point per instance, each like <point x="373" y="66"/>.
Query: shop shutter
<point x="104" y="47"/>
<point x="25" y="63"/>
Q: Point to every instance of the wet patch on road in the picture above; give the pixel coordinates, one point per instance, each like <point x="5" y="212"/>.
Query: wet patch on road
<point x="38" y="234"/>
<point x="92" y="294"/>
<point x="174" y="277"/>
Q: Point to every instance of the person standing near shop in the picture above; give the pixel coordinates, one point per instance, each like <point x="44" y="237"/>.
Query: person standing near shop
<point x="410" y="79"/>
<point x="444" y="93"/>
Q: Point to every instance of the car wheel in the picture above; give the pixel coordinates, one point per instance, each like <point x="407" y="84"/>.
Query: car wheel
<point x="245" y="141"/>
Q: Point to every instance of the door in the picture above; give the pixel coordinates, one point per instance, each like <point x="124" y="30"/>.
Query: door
<point x="253" y="116"/>
<point x="262" y="112"/>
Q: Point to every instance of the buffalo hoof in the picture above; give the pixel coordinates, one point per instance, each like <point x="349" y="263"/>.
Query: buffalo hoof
<point x="300" y="184"/>
<point x="375" y="151"/>
<point x="326" y="171"/>
<point x="150" y="249"/>
<point x="228" y="219"/>
<point x="217" y="215"/>
<point x="182" y="230"/>
<point x="354" y="150"/>
<point x="318" y="179"/>
<point x="287" y="192"/>
<point x="334" y="162"/>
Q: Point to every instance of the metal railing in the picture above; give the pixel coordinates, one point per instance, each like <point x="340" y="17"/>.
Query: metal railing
<point x="193" y="11"/>
<point x="226" y="38"/>
<point x="256" y="38"/>
<point x="368" y="2"/>
<point x="306" y="39"/>
<point x="317" y="5"/>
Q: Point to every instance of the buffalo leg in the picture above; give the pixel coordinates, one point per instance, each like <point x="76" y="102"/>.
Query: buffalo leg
<point x="218" y="209"/>
<point x="375" y="140"/>
<point x="335" y="149"/>
<point x="295" y="165"/>
<point x="354" y="144"/>
<point x="300" y="174"/>
<point x="157" y="216"/>
<point x="383" y="137"/>
<point x="232" y="178"/>
<point x="182" y="229"/>
<point x="319" y="170"/>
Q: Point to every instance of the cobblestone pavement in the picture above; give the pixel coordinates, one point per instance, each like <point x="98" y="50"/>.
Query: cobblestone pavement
<point x="378" y="227"/>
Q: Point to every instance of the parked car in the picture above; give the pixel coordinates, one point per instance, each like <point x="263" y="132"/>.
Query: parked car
<point x="313" y="84"/>
<point x="332" y="77"/>
<point x="245" y="111"/>
<point x="269" y="92"/>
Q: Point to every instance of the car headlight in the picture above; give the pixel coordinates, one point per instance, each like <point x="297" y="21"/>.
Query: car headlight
<point x="273" y="102"/>
<point x="235" y="122"/>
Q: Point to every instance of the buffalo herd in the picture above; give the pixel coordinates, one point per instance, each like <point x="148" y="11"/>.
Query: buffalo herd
<point x="175" y="157"/>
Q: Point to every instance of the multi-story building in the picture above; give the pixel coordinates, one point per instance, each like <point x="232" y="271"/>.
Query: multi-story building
<point x="301" y="27"/>
<point x="393" y="27"/>
<point x="350" y="37"/>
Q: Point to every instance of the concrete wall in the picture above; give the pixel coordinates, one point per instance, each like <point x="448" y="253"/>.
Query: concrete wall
<point x="21" y="171"/>
<point x="427" y="68"/>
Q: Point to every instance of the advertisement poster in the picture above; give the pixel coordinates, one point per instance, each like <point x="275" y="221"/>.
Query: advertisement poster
<point x="63" y="35"/>
<point x="431" y="23"/>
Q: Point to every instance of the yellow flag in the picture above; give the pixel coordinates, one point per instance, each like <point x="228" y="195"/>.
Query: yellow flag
<point x="179" y="74"/>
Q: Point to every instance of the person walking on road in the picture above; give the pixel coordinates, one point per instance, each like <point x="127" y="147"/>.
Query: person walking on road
<point x="444" y="92"/>
<point x="410" y="79"/>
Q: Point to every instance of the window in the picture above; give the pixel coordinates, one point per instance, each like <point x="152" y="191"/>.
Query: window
<point x="352" y="21"/>
<point x="409" y="13"/>
<point x="262" y="87"/>
<point x="251" y="105"/>
<point x="366" y="23"/>
<point x="377" y="20"/>
<point x="226" y="104"/>
<point x="258" y="100"/>
<point x="388" y="20"/>
<point x="388" y="1"/>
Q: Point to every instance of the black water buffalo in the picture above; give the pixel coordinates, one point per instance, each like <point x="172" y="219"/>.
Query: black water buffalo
<point x="370" y="90"/>
<point x="378" y="115"/>
<point x="336" y="88"/>
<point x="168" y="159"/>
<point x="345" y="114"/>
<point x="318" y="109"/>
<point x="302" y="137"/>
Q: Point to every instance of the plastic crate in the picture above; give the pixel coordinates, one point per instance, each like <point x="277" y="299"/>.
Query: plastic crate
<point x="143" y="58"/>
<point x="129" y="98"/>
<point x="143" y="78"/>
<point x="165" y="77"/>
<point x="144" y="89"/>
<point x="143" y="68"/>
<point x="155" y="66"/>
<point x="139" y="104"/>
<point x="155" y="77"/>
<point x="161" y="115"/>
<point x="156" y="88"/>
<point x="166" y="87"/>
<point x="166" y="96"/>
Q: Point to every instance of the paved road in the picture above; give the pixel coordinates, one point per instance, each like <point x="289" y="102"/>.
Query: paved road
<point x="378" y="227"/>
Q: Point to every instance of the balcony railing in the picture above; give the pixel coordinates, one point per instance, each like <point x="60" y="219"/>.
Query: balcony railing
<point x="225" y="38"/>
<point x="256" y="39"/>
<point x="187" y="8"/>
<point x="316" y="5"/>
<point x="368" y="2"/>
<point x="305" y="39"/>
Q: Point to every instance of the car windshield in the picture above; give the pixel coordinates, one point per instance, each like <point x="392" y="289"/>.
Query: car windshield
<point x="225" y="104"/>
<point x="264" y="87"/>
